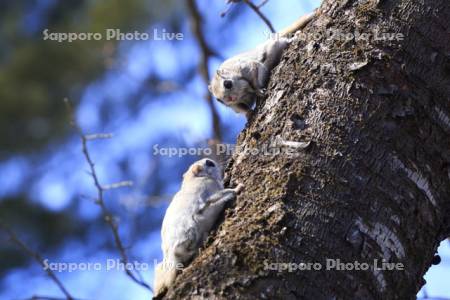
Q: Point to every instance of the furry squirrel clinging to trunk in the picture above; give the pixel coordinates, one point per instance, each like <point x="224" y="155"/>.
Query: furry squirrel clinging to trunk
<point x="189" y="218"/>
<point x="242" y="78"/>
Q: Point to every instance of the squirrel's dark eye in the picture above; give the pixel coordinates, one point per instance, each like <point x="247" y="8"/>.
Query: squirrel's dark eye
<point x="228" y="84"/>
<point x="220" y="100"/>
<point x="209" y="163"/>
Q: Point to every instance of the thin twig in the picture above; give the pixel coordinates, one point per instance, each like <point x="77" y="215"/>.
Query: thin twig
<point x="206" y="53"/>
<point x="117" y="185"/>
<point x="99" y="136"/>
<point x="37" y="297"/>
<point x="262" y="3"/>
<point x="37" y="257"/>
<point x="109" y="218"/>
<point x="256" y="9"/>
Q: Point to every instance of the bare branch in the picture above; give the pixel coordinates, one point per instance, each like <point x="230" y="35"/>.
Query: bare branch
<point x="37" y="257"/>
<point x="99" y="136"/>
<point x="260" y="14"/>
<point x="37" y="297"/>
<point x="107" y="216"/>
<point x="255" y="8"/>
<point x="224" y="13"/>
<point x="206" y="53"/>
<point x="117" y="185"/>
<point x="262" y="3"/>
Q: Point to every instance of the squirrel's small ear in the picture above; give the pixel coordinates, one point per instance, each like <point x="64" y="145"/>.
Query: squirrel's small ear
<point x="193" y="171"/>
<point x="196" y="170"/>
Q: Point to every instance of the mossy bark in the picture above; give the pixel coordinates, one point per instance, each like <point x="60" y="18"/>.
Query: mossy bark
<point x="374" y="182"/>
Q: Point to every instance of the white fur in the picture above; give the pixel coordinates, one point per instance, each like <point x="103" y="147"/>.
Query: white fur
<point x="189" y="218"/>
<point x="249" y="72"/>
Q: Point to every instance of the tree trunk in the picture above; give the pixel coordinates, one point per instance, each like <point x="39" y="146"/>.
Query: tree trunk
<point x="368" y="121"/>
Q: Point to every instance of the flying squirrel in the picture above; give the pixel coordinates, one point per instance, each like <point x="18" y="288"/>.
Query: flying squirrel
<point x="241" y="79"/>
<point x="189" y="218"/>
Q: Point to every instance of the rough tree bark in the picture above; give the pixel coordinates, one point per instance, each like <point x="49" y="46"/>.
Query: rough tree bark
<point x="374" y="182"/>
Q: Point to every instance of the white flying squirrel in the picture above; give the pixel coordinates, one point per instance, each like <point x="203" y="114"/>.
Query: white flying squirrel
<point x="244" y="77"/>
<point x="189" y="218"/>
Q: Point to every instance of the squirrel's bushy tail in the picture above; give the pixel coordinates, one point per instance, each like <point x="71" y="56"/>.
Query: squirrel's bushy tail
<point x="298" y="25"/>
<point x="165" y="275"/>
